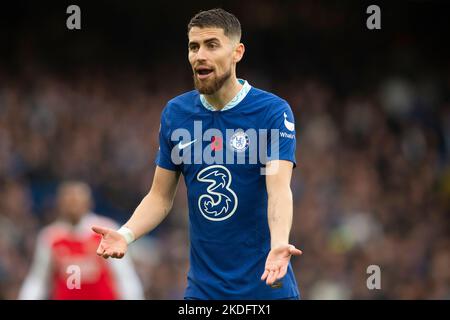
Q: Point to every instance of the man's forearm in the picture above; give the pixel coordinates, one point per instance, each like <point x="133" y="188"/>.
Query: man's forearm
<point x="148" y="214"/>
<point x="280" y="216"/>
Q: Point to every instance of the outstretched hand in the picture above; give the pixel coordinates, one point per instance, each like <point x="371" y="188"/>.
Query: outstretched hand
<point x="277" y="262"/>
<point x="113" y="244"/>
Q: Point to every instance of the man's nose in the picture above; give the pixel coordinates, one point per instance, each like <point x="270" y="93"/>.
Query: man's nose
<point x="201" y="54"/>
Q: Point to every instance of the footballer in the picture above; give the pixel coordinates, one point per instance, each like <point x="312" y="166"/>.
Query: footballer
<point x="235" y="146"/>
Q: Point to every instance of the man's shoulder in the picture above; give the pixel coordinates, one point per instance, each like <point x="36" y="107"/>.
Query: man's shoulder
<point x="263" y="94"/>
<point x="182" y="102"/>
<point x="268" y="101"/>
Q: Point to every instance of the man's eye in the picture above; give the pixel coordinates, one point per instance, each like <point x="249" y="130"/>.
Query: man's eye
<point x="212" y="45"/>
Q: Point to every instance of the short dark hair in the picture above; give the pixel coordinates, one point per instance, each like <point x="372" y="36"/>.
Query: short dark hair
<point x="217" y="18"/>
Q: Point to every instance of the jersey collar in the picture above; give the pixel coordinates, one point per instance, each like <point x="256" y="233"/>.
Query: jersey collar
<point x="234" y="102"/>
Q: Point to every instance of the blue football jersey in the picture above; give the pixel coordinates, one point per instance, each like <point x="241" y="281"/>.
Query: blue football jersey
<point x="222" y="155"/>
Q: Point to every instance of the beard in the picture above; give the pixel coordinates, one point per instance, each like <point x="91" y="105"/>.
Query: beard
<point x="213" y="85"/>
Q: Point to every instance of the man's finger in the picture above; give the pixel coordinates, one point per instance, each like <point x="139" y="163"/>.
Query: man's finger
<point x="265" y="274"/>
<point x="100" y="250"/>
<point x="294" y="251"/>
<point x="269" y="280"/>
<point x="117" y="254"/>
<point x="100" y="230"/>
<point x="275" y="276"/>
<point x="282" y="272"/>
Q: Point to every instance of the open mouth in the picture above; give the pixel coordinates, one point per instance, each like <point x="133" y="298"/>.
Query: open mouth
<point x="203" y="72"/>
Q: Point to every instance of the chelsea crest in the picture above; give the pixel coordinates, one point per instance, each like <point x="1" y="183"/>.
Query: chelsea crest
<point x="239" y="141"/>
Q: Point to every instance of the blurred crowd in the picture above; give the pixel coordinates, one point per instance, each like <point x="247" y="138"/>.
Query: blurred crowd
<point x="372" y="185"/>
<point x="372" y="188"/>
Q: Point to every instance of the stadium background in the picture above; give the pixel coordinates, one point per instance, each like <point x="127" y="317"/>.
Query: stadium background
<point x="372" y="110"/>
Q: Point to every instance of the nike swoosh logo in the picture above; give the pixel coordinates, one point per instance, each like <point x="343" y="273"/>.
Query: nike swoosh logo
<point x="182" y="146"/>
<point x="289" y="125"/>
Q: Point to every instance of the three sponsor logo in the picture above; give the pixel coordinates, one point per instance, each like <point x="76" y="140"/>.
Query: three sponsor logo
<point x="218" y="201"/>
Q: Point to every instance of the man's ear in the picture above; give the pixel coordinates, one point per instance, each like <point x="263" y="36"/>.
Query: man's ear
<point x="238" y="52"/>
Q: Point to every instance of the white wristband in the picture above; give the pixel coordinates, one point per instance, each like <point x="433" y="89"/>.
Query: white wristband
<point x="127" y="234"/>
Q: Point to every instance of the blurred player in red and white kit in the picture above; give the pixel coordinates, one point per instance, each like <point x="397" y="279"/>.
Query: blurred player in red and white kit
<point x="69" y="241"/>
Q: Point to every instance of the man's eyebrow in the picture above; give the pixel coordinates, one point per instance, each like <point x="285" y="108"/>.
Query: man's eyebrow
<point x="211" y="40"/>
<point x="205" y="41"/>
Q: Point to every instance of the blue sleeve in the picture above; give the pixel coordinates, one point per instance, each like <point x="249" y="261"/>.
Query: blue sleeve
<point x="282" y="139"/>
<point x="163" y="157"/>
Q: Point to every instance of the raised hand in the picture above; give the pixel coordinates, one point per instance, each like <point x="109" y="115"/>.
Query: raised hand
<point x="277" y="262"/>
<point x="113" y="244"/>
